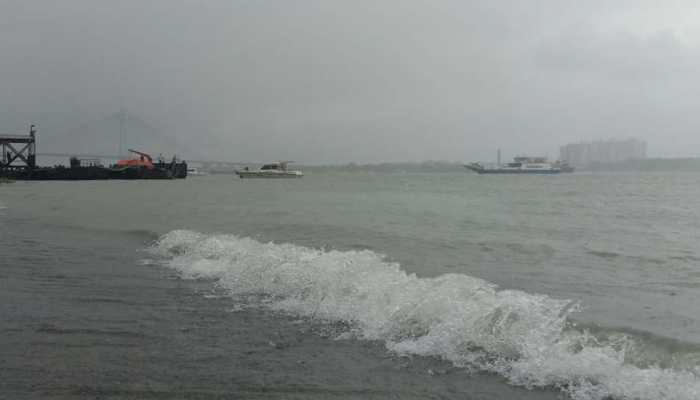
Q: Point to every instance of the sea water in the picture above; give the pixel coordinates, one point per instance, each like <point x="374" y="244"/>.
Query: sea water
<point x="353" y="285"/>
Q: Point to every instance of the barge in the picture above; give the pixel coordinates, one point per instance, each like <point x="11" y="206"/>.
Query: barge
<point x="18" y="162"/>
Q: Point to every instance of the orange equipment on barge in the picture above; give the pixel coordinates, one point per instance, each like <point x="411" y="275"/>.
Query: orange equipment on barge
<point x="144" y="160"/>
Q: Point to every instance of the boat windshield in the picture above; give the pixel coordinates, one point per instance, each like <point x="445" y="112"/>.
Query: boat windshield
<point x="269" y="166"/>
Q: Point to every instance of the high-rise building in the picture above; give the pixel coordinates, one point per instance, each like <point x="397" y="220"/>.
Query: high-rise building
<point x="610" y="151"/>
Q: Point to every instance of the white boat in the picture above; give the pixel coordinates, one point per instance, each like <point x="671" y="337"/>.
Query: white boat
<point x="191" y="171"/>
<point x="522" y="165"/>
<point x="272" y="170"/>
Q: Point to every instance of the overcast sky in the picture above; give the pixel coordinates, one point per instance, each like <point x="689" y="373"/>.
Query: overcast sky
<point x="366" y="81"/>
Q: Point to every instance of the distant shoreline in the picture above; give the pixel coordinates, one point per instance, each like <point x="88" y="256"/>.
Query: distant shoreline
<point x="639" y="165"/>
<point x="427" y="166"/>
<point x="648" y="164"/>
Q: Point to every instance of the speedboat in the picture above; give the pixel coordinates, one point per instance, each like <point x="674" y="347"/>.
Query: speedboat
<point x="271" y="170"/>
<point x="191" y="171"/>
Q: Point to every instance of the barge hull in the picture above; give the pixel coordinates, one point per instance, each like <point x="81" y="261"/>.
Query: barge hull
<point x="61" y="173"/>
<point x="482" y="171"/>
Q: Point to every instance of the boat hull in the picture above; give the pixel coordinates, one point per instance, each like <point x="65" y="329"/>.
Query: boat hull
<point x="267" y="175"/>
<point x="503" y="171"/>
<point x="61" y="173"/>
<point x="520" y="172"/>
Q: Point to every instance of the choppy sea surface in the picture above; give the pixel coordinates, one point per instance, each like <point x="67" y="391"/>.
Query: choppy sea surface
<point x="353" y="285"/>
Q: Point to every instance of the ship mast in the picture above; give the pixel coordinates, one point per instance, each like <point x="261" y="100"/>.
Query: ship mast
<point x="122" y="121"/>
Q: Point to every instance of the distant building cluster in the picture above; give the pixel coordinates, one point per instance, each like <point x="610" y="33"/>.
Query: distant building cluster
<point x="610" y="151"/>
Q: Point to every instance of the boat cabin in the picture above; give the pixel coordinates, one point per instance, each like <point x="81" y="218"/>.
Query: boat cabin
<point x="530" y="160"/>
<point x="278" y="166"/>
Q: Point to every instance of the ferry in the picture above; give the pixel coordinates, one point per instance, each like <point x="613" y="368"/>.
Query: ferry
<point x="522" y="165"/>
<point x="272" y="170"/>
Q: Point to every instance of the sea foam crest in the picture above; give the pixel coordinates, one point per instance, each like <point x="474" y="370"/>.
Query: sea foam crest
<point x="468" y="321"/>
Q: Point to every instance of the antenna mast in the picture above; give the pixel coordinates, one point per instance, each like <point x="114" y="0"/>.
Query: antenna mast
<point x="122" y="121"/>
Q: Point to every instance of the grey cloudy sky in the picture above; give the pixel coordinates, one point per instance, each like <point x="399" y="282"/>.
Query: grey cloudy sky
<point x="337" y="81"/>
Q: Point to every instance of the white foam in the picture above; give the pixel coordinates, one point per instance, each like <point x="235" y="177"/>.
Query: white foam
<point x="524" y="337"/>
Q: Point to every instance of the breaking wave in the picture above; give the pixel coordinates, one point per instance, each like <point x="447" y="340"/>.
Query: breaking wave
<point x="527" y="338"/>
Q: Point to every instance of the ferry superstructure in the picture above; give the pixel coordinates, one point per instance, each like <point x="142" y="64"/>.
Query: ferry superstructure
<point x="522" y="165"/>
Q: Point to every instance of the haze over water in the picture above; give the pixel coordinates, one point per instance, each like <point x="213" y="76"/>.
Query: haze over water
<point x="327" y="82"/>
<point x="350" y="283"/>
<point x="353" y="285"/>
